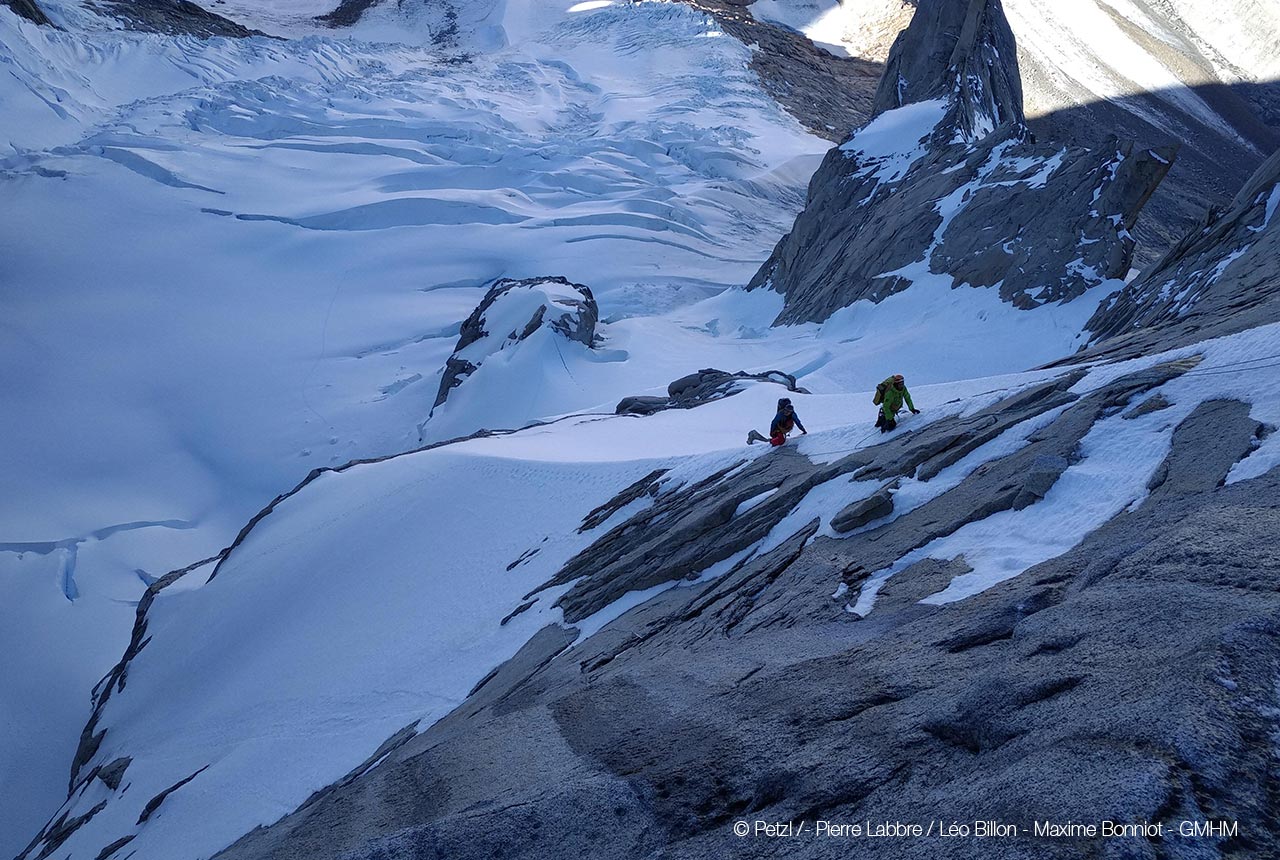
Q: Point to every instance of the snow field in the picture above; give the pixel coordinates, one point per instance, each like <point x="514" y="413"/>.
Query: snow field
<point x="228" y="262"/>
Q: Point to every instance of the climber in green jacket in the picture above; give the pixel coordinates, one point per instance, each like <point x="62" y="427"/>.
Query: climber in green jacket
<point x="890" y="395"/>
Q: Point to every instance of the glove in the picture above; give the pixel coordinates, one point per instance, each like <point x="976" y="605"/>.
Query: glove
<point x="915" y="411"/>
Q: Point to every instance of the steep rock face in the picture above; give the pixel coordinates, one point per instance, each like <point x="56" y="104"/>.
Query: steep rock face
<point x="513" y="311"/>
<point x="1222" y="278"/>
<point x="962" y="51"/>
<point x="30" y="10"/>
<point x="948" y="183"/>
<point x="173" y="18"/>
<point x="1202" y="74"/>
<point x="347" y="12"/>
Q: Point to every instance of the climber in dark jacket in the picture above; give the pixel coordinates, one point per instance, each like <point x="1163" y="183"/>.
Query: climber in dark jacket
<point x="783" y="423"/>
<point x="890" y="395"/>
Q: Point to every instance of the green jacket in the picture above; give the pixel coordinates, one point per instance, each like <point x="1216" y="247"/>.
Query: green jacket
<point x="894" y="397"/>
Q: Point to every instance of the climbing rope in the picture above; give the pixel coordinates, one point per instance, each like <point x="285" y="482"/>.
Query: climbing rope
<point x="1235" y="367"/>
<point x="856" y="445"/>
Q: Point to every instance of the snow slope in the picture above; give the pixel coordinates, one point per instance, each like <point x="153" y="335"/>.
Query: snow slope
<point x="373" y="598"/>
<point x="228" y="262"/>
<point x="370" y="600"/>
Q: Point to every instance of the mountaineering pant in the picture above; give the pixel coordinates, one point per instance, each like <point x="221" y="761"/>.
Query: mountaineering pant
<point x="885" y="424"/>
<point x="775" y="440"/>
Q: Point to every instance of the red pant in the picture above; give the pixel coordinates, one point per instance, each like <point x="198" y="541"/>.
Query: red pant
<point x="777" y="439"/>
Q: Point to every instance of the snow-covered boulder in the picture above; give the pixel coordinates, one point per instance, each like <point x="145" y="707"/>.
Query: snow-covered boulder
<point x="946" y="182"/>
<point x="705" y="386"/>
<point x="518" y="317"/>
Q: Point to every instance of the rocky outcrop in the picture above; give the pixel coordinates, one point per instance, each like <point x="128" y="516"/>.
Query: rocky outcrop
<point x="112" y="772"/>
<point x="173" y="18"/>
<point x="30" y="10"/>
<point x="705" y="386"/>
<point x="1131" y="679"/>
<point x="857" y="514"/>
<point x="963" y="52"/>
<point x="947" y="185"/>
<point x="510" y="313"/>
<point x="689" y="528"/>
<point x="1220" y="279"/>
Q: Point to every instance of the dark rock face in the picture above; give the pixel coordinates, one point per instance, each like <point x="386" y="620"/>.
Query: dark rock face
<point x="173" y="17"/>
<point x="642" y="404"/>
<point x="705" y="386"/>
<point x="977" y="201"/>
<point x="1220" y="279"/>
<point x="566" y="308"/>
<point x="1046" y="223"/>
<point x="962" y="51"/>
<point x="1084" y="213"/>
<point x="30" y="10"/>
<point x="1216" y="153"/>
<point x="1131" y="679"/>
<point x="58" y="832"/>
